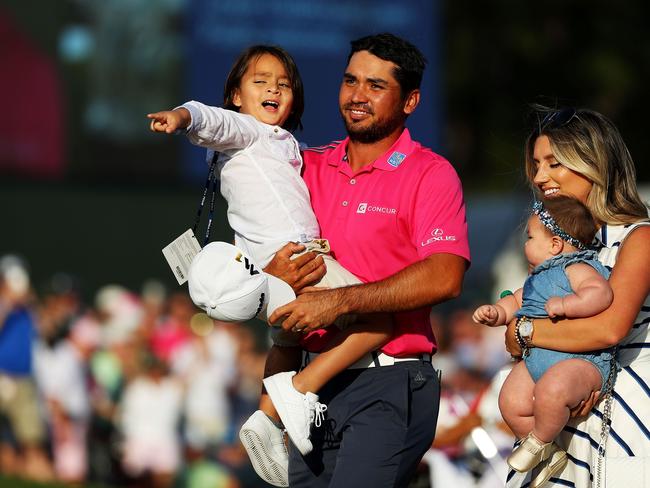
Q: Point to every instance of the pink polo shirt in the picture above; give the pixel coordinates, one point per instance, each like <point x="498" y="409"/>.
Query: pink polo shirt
<point x="397" y="211"/>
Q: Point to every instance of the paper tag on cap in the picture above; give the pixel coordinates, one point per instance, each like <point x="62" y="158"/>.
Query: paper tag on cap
<point x="180" y="253"/>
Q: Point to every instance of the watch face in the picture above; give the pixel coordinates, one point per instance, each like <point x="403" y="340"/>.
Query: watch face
<point x="526" y="328"/>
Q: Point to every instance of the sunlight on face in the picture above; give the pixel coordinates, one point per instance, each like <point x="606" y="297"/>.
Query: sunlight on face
<point x="370" y="98"/>
<point x="265" y="91"/>
<point x="553" y="178"/>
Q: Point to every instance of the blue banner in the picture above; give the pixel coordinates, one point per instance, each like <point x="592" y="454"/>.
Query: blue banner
<point x="317" y="33"/>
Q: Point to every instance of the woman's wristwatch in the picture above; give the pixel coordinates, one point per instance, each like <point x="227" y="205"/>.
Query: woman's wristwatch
<point x="524" y="334"/>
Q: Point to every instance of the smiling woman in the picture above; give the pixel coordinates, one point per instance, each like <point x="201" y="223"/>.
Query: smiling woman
<point x="583" y="155"/>
<point x="553" y="177"/>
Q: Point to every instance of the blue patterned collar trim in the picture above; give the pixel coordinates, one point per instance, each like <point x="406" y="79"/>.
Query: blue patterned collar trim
<point x="564" y="258"/>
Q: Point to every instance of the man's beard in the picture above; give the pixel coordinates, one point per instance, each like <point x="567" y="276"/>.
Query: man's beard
<point x="377" y="130"/>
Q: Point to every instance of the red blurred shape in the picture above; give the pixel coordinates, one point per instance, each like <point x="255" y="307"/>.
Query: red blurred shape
<point x="31" y="128"/>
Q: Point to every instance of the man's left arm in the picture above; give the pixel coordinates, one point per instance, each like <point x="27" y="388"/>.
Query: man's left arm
<point x="434" y="279"/>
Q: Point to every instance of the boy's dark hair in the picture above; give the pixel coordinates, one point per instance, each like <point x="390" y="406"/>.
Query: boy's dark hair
<point x="573" y="217"/>
<point x="239" y="69"/>
<point x="408" y="58"/>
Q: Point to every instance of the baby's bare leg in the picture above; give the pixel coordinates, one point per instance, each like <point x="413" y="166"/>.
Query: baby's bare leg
<point x="516" y="400"/>
<point x="367" y="334"/>
<point x="561" y="388"/>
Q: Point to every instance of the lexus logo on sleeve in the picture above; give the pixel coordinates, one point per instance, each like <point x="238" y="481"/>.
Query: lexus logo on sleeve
<point x="437" y="235"/>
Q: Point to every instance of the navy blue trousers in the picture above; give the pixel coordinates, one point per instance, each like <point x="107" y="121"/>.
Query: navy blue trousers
<point x="379" y="423"/>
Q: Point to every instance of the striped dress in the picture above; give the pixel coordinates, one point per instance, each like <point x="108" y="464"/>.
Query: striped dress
<point x="627" y="449"/>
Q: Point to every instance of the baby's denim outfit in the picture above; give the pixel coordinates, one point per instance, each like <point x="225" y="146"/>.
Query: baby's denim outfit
<point x="547" y="280"/>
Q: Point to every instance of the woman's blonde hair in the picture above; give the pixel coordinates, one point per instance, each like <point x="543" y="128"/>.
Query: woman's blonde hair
<point x="590" y="144"/>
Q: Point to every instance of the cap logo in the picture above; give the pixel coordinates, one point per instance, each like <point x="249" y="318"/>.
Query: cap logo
<point x="396" y="159"/>
<point x="261" y="305"/>
<point x="249" y="266"/>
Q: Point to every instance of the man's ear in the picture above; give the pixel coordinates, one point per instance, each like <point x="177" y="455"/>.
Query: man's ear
<point x="557" y="245"/>
<point x="411" y="102"/>
<point x="236" y="98"/>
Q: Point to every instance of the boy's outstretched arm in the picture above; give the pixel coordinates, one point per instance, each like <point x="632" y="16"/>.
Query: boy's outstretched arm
<point x="592" y="294"/>
<point x="169" y="121"/>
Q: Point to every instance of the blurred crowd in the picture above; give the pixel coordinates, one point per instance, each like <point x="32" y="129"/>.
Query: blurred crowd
<point x="140" y="389"/>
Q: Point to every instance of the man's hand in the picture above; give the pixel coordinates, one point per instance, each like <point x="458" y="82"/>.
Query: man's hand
<point x="310" y="311"/>
<point x="169" y="121"/>
<point x="302" y="271"/>
<point x="555" y="307"/>
<point x="486" y="315"/>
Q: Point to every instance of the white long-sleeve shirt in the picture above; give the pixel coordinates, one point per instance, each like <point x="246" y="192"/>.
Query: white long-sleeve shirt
<point x="259" y="167"/>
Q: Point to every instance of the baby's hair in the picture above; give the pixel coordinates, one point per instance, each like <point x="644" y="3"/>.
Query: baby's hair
<point x="573" y="217"/>
<point x="233" y="81"/>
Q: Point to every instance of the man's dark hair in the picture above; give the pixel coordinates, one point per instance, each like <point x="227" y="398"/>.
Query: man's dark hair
<point x="239" y="69"/>
<point x="409" y="61"/>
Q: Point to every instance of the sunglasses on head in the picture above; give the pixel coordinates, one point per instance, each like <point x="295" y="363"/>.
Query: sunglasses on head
<point x="559" y="118"/>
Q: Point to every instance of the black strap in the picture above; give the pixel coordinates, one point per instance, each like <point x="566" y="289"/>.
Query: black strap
<point x="212" y="178"/>
<point x="375" y="358"/>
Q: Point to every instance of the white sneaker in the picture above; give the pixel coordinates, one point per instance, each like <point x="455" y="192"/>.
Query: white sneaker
<point x="264" y="443"/>
<point x="297" y="411"/>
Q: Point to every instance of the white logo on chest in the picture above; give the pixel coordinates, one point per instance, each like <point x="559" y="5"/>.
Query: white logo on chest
<point x="366" y="208"/>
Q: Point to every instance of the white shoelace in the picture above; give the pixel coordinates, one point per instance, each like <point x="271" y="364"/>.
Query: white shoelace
<point x="317" y="413"/>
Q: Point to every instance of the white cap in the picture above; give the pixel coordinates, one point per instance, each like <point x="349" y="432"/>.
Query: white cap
<point x="229" y="286"/>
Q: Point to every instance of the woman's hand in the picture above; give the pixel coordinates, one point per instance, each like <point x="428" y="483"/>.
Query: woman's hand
<point x="585" y="406"/>
<point x="512" y="346"/>
<point x="300" y="272"/>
